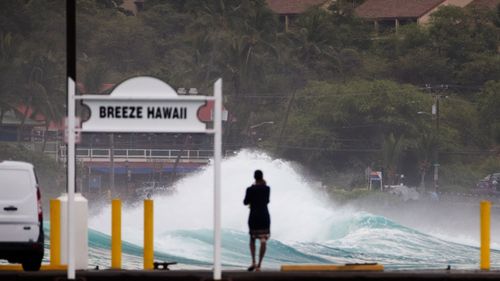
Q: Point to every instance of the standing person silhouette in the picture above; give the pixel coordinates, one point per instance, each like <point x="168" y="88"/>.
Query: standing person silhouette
<point x="259" y="221"/>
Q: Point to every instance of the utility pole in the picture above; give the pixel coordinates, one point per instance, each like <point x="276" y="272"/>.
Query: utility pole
<point x="435" y="113"/>
<point x="285" y="121"/>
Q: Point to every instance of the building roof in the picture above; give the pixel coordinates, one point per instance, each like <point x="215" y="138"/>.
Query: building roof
<point x="13" y="117"/>
<point x="38" y="119"/>
<point x="491" y="4"/>
<point x="284" y="7"/>
<point x="380" y="9"/>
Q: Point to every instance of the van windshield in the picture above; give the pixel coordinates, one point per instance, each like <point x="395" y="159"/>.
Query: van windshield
<point x="14" y="184"/>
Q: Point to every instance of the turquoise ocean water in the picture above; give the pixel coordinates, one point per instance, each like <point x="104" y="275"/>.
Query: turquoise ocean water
<point x="306" y="227"/>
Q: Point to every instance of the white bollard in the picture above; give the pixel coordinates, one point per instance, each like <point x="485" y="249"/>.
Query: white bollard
<point x="81" y="231"/>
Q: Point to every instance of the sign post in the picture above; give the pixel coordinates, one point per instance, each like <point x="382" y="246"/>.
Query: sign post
<point x="217" y="177"/>
<point x="71" y="178"/>
<point x="146" y="104"/>
<point x="71" y="78"/>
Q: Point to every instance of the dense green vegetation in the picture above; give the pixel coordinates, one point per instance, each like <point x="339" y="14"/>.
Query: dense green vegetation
<point x="341" y="97"/>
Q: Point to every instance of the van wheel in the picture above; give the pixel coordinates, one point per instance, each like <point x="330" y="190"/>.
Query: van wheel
<point x="32" y="265"/>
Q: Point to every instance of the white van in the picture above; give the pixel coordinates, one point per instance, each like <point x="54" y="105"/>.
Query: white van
<point x="21" y="229"/>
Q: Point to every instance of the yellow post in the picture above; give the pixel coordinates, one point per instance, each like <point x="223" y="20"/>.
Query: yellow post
<point x="148" y="234"/>
<point x="55" y="232"/>
<point x="485" y="235"/>
<point x="116" y="234"/>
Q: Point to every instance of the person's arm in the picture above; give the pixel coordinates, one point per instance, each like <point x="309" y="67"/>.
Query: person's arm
<point x="246" y="201"/>
<point x="268" y="194"/>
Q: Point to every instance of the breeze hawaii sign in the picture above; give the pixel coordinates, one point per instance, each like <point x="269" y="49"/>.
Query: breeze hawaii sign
<point x="144" y="104"/>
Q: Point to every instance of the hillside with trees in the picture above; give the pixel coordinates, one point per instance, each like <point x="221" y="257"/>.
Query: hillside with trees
<point x="340" y="96"/>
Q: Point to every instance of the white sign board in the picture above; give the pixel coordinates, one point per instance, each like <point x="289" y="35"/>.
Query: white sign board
<point x="144" y="104"/>
<point x="143" y="116"/>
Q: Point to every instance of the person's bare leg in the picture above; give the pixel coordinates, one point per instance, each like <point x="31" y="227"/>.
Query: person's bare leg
<point x="262" y="252"/>
<point x="252" y="253"/>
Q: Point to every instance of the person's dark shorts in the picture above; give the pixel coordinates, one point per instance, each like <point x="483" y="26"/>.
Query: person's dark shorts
<point x="260" y="234"/>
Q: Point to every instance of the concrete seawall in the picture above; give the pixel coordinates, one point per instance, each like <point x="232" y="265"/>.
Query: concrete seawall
<point x="182" y="275"/>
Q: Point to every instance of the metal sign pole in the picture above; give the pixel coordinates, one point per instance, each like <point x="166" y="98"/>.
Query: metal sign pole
<point x="217" y="177"/>
<point x="71" y="72"/>
<point x="71" y="179"/>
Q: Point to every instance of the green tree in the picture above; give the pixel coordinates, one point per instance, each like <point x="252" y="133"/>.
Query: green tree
<point x="458" y="32"/>
<point x="422" y="66"/>
<point x="356" y="116"/>
<point x="489" y="110"/>
<point x="481" y="68"/>
<point x="31" y="51"/>
<point x="349" y="31"/>
<point x="312" y="35"/>
<point x="392" y="149"/>
<point x="9" y="67"/>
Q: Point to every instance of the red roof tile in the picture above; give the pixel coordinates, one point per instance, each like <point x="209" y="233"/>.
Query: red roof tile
<point x="39" y="117"/>
<point x="292" y="6"/>
<point x="377" y="9"/>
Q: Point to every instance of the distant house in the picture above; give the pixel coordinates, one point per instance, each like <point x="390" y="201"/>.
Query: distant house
<point x="11" y="121"/>
<point x="289" y="9"/>
<point x="42" y="122"/>
<point x="393" y="13"/>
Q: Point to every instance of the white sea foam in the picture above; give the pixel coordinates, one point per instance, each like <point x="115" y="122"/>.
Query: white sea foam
<point x="298" y="212"/>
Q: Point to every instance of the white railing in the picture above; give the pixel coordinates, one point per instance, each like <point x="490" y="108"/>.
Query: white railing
<point x="139" y="154"/>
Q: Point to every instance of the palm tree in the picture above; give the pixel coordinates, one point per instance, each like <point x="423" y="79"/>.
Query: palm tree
<point x="233" y="39"/>
<point x="392" y="149"/>
<point x="311" y="36"/>
<point x="425" y="146"/>
<point x="42" y="91"/>
<point x="52" y="100"/>
<point x="10" y="67"/>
